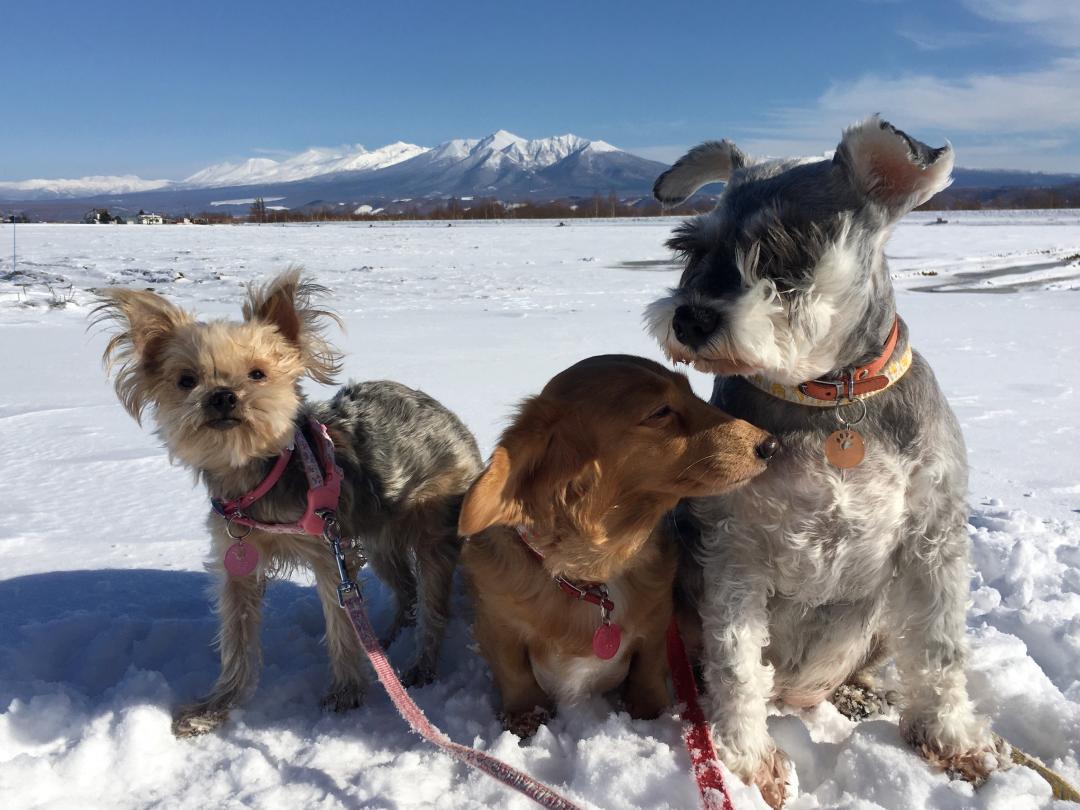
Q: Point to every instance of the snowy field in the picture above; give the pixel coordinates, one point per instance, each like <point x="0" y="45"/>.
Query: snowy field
<point x="104" y="625"/>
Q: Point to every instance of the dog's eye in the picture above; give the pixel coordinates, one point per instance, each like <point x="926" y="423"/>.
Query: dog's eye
<point x="659" y="415"/>
<point x="257" y="374"/>
<point x="187" y="382"/>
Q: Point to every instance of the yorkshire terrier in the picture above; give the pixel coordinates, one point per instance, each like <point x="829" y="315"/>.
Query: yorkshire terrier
<point x="227" y="401"/>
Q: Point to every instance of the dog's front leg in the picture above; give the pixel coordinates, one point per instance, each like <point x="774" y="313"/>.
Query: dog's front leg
<point x="938" y="718"/>
<point x="350" y="672"/>
<point x="525" y="705"/>
<point x="735" y="625"/>
<point x="239" y="609"/>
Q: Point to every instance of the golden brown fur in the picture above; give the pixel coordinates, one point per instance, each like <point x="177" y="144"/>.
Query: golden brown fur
<point x="591" y="465"/>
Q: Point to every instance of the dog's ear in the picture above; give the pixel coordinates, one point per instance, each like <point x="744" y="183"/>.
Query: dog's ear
<point x="146" y="321"/>
<point x="286" y="303"/>
<point x="489" y="501"/>
<point x="711" y="162"/>
<point x="540" y="468"/>
<point x="890" y="167"/>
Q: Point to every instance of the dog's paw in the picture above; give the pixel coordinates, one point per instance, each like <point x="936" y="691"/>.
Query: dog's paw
<point x="418" y="675"/>
<point x="772" y="777"/>
<point x="343" y="698"/>
<point x="972" y="763"/>
<point x="770" y="772"/>
<point x="525" y="724"/>
<point x="858" y="703"/>
<point x="196" y="719"/>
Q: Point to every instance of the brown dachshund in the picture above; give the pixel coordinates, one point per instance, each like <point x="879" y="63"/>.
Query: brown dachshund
<point x="570" y="573"/>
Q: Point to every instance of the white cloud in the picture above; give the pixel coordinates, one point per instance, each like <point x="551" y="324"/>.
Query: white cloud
<point x="1025" y="119"/>
<point x="1056" y="21"/>
<point x="1038" y="100"/>
<point x="941" y="40"/>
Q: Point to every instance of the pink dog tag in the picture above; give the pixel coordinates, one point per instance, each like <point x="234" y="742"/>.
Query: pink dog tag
<point x="606" y="641"/>
<point x="241" y="559"/>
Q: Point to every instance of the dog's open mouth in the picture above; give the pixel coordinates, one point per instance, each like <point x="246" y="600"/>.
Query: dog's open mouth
<point x="224" y="423"/>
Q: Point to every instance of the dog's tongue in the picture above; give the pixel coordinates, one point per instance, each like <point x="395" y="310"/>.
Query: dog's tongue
<point x="606" y="640"/>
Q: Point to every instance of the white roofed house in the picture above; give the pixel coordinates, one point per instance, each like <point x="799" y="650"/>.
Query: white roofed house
<point x="149" y="219"/>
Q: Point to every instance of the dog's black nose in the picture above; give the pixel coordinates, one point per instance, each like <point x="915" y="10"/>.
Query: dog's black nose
<point x="693" y="324"/>
<point x="767" y="449"/>
<point x="222" y="400"/>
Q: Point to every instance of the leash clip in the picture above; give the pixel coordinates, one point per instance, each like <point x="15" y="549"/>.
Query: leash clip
<point x="333" y="536"/>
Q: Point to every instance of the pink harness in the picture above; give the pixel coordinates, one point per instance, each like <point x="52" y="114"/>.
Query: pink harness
<point x="324" y="487"/>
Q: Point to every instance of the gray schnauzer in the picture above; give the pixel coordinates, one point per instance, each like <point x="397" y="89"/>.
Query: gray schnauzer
<point x="853" y="544"/>
<point x="226" y="398"/>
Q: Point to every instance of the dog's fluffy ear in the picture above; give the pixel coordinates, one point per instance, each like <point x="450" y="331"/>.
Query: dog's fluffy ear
<point x="890" y="167"/>
<point x="711" y="162"/>
<point x="286" y="303"/>
<point x="539" y="470"/>
<point x="489" y="501"/>
<point x="146" y="322"/>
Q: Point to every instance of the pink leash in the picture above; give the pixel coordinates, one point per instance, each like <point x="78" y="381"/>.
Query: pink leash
<point x="698" y="739"/>
<point x="349" y="598"/>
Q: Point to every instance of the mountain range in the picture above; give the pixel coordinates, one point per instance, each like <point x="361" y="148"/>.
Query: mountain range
<point x="501" y="165"/>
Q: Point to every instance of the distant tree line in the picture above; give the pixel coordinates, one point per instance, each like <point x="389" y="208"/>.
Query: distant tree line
<point x="975" y="199"/>
<point x="456" y="208"/>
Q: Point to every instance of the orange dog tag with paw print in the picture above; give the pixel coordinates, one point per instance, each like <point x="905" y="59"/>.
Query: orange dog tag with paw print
<point x="845" y="448"/>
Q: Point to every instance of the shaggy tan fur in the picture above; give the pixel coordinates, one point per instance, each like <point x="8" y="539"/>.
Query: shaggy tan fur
<point x="226" y="399"/>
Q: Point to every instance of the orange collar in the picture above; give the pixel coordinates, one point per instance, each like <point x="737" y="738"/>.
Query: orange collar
<point x="855" y="384"/>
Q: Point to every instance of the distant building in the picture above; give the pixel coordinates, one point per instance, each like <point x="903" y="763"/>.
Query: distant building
<point x="150" y="219"/>
<point x="98" y="216"/>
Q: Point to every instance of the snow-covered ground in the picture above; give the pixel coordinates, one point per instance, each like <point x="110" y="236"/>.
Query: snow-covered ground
<point x="103" y="620"/>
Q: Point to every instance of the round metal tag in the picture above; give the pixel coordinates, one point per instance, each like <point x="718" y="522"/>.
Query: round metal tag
<point x="845" y="448"/>
<point x="241" y="559"/>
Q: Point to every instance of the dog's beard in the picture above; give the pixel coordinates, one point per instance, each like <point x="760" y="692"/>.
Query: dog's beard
<point x="262" y="430"/>
<point x="786" y="341"/>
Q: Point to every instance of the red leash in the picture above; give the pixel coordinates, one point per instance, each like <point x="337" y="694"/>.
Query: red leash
<point x="698" y="739"/>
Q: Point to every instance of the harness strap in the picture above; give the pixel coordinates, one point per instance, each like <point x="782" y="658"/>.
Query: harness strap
<point x="324" y="486"/>
<point x="696" y="735"/>
<point x="236" y="505"/>
<point x="414" y="716"/>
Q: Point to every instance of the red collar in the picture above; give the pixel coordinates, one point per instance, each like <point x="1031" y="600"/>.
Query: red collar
<point x="592" y="592"/>
<point x="858" y="381"/>
<point x="324" y="487"/>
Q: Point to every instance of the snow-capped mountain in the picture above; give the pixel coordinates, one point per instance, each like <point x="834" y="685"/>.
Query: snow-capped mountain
<point x="508" y="166"/>
<point x="310" y="163"/>
<point x="78" y="187"/>
<point x="502" y="165"/>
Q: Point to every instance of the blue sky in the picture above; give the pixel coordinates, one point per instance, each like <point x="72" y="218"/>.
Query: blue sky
<point x="163" y="89"/>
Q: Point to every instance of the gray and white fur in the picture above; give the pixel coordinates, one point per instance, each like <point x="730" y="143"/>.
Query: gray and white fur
<point x="806" y="574"/>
